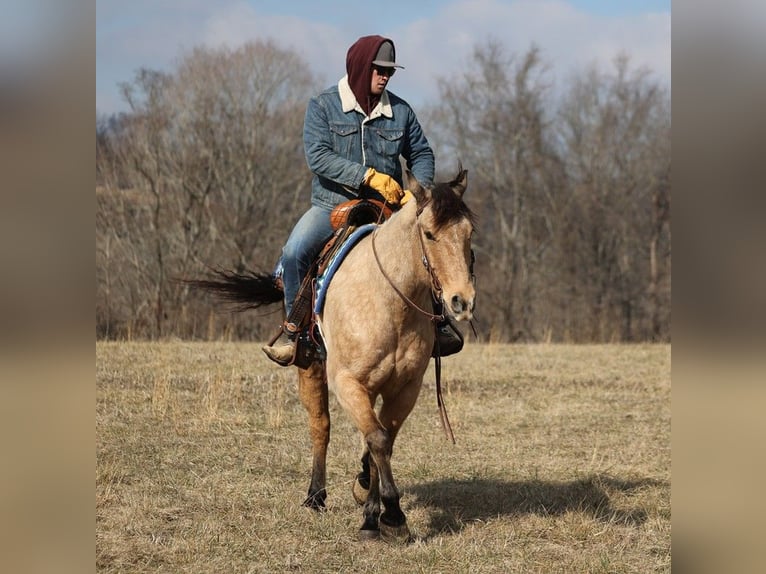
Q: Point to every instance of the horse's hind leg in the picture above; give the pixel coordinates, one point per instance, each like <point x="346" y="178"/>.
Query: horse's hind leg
<point x="361" y="487"/>
<point x="370" y="529"/>
<point x="312" y="389"/>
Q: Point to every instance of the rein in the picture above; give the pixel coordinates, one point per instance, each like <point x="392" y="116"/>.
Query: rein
<point x="436" y="293"/>
<point x="436" y="290"/>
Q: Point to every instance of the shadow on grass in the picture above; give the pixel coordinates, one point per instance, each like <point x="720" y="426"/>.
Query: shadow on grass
<point x="455" y="503"/>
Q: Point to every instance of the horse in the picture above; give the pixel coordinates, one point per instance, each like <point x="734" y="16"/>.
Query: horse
<point x="378" y="330"/>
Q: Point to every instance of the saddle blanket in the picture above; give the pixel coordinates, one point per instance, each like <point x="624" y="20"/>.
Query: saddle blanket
<point x="323" y="281"/>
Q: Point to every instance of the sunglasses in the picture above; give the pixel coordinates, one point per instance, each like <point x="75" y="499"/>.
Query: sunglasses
<point x="384" y="71"/>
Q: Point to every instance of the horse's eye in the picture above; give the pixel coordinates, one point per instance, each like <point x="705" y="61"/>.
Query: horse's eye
<point x="429" y="236"/>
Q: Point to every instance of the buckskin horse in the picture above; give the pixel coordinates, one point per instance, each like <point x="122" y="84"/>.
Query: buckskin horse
<point x="378" y="330"/>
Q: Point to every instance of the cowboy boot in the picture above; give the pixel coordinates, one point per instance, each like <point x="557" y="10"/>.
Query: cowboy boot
<point x="282" y="351"/>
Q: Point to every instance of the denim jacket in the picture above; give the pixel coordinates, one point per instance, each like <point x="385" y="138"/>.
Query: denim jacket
<point x="341" y="143"/>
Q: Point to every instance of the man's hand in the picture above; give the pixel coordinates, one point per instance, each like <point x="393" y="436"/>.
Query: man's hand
<point x="385" y="185"/>
<point x="406" y="197"/>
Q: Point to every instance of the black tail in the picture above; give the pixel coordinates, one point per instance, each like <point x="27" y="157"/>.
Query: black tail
<point x="248" y="290"/>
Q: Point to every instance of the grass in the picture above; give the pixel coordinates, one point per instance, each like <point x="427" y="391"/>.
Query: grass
<point x="562" y="464"/>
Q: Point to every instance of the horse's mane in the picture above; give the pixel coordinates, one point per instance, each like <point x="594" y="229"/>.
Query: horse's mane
<point x="447" y="207"/>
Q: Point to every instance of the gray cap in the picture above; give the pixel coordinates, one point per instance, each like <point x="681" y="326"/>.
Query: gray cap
<point x="386" y="57"/>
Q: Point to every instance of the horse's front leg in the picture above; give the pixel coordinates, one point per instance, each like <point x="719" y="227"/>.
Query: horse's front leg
<point x="393" y="412"/>
<point x="312" y="389"/>
<point x="393" y="522"/>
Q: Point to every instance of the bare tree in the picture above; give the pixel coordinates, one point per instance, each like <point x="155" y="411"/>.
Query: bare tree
<point x="214" y="151"/>
<point x="616" y="134"/>
<point x="573" y="195"/>
<point x="495" y="121"/>
<point x="109" y="170"/>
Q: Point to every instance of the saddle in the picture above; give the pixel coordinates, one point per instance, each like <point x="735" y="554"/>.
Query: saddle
<point x="345" y="219"/>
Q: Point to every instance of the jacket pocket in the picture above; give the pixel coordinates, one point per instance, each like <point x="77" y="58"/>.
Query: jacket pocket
<point x="389" y="142"/>
<point x="343" y="137"/>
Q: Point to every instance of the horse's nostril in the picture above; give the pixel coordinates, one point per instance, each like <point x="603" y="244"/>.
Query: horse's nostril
<point x="457" y="304"/>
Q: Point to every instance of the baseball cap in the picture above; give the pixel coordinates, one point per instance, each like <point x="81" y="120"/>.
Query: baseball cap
<point x="386" y="57"/>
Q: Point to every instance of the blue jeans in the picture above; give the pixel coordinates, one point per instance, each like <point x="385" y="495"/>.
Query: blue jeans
<point x="305" y="242"/>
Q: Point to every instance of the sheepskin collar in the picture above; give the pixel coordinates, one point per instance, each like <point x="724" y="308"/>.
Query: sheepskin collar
<point x="349" y="103"/>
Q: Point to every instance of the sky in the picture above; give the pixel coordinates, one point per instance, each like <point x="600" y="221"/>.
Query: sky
<point x="433" y="38"/>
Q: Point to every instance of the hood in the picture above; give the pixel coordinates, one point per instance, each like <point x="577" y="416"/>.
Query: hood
<point x="359" y="69"/>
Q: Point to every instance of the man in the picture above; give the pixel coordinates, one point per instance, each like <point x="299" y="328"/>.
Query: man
<point x="353" y="135"/>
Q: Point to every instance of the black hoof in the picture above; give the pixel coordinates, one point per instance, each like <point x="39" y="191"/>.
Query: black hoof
<point x="316" y="501"/>
<point x="395" y="534"/>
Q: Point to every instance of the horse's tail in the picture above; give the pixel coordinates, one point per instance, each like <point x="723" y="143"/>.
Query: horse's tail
<point x="248" y="290"/>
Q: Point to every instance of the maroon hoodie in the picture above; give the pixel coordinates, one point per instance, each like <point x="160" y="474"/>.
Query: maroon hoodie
<point x="359" y="69"/>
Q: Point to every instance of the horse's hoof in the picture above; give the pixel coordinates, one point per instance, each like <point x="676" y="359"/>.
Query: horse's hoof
<point x="311" y="505"/>
<point x="369" y="535"/>
<point x="359" y="492"/>
<point x="316" y="502"/>
<point x="395" y="534"/>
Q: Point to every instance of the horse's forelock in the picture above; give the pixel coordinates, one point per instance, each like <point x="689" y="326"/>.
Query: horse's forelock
<point x="447" y="207"/>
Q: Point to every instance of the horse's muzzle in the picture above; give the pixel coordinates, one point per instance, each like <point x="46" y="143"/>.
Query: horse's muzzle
<point x="461" y="308"/>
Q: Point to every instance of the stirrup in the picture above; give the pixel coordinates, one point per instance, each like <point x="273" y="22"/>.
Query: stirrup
<point x="302" y="348"/>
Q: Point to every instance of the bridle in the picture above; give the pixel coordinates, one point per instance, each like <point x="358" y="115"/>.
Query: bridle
<point x="436" y="286"/>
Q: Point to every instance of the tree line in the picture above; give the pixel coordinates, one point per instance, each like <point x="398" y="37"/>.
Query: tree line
<point x="571" y="186"/>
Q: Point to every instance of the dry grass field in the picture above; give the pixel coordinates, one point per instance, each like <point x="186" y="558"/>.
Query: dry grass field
<point x="562" y="464"/>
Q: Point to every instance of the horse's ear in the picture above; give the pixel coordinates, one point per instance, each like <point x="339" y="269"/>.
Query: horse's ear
<point x="414" y="186"/>
<point x="460" y="183"/>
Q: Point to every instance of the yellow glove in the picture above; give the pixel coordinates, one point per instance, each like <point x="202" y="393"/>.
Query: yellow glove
<point x="406" y="197"/>
<point x="385" y="185"/>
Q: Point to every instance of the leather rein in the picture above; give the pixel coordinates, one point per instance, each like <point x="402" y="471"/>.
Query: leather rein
<point x="436" y="293"/>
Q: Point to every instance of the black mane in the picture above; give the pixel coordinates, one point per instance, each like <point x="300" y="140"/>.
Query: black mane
<point x="447" y="207"/>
